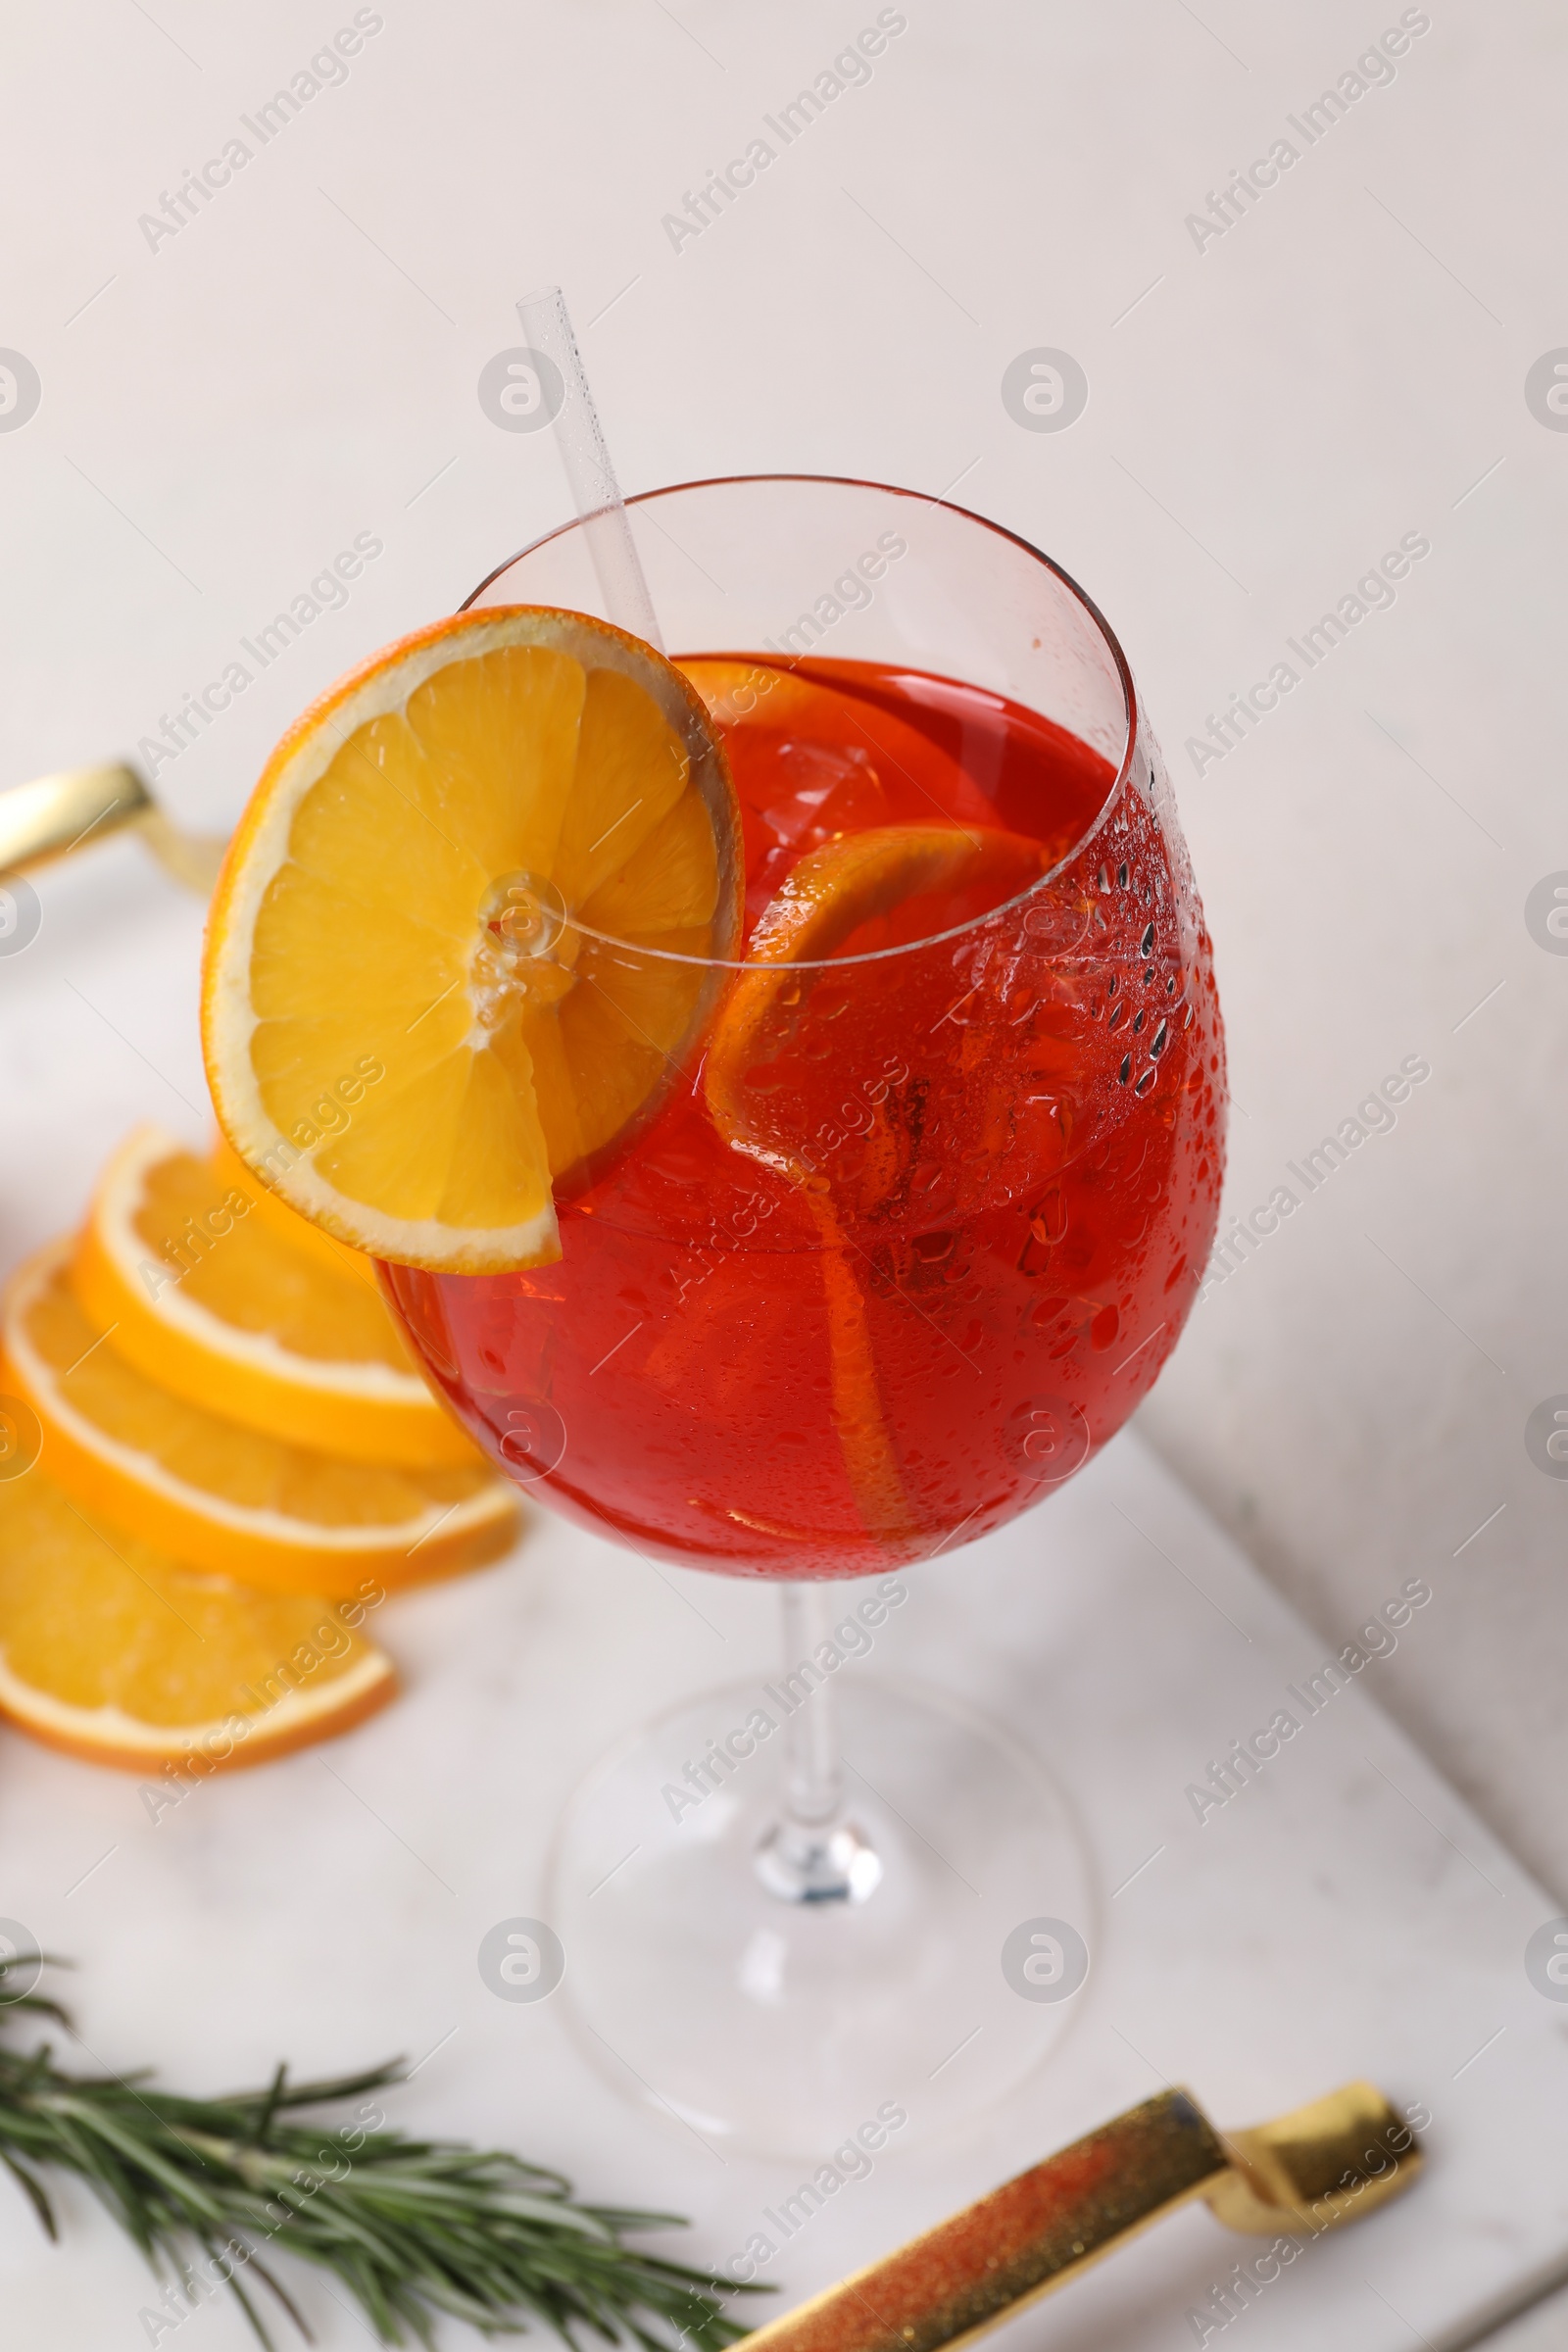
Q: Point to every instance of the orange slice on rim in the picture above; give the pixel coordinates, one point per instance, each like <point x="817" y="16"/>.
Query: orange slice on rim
<point x="455" y="956"/>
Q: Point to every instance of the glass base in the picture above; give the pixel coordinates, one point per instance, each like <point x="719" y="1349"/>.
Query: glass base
<point x="705" y="1986"/>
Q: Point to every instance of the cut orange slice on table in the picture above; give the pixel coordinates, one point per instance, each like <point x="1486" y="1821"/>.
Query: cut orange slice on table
<point x="444" y="972"/>
<point x="845" y="897"/>
<point x="285" y="1223"/>
<point x="218" y="1495"/>
<point x="206" y="1292"/>
<point x="115" y="1652"/>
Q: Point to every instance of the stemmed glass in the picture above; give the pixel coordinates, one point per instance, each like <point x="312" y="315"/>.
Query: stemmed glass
<point x="855" y="1297"/>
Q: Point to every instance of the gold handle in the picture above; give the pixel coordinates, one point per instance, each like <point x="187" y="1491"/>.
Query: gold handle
<point x="1309" y="2170"/>
<point x="53" y="814"/>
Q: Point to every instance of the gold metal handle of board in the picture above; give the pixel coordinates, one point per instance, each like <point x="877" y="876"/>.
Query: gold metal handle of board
<point x="1315" y="2168"/>
<point x="56" y="814"/>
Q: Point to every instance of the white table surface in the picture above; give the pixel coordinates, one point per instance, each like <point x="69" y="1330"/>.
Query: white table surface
<point x="222" y="414"/>
<point x="1345" y="1914"/>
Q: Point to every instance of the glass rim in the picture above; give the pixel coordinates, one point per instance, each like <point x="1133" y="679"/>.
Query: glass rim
<point x="934" y="939"/>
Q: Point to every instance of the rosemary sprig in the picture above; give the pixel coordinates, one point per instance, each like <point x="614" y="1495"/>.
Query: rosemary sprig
<point x="209" y="2189"/>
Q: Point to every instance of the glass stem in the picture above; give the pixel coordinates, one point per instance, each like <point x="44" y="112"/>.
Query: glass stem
<point x="813" y="1761"/>
<point x="812" y="1855"/>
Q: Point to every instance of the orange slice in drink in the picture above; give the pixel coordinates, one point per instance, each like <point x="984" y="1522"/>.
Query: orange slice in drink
<point x="210" y="1492"/>
<point x="455" y="956"/>
<point x="114" y="1651"/>
<point x="842" y="898"/>
<point x="284" y="1330"/>
<point x="814" y="762"/>
<point x="764" y="699"/>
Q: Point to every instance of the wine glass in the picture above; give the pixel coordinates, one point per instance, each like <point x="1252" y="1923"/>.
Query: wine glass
<point x="899" y="1251"/>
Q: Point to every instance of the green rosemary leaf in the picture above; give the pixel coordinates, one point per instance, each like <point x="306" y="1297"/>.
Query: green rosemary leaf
<point x="34" y="2193"/>
<point x="212" y="2189"/>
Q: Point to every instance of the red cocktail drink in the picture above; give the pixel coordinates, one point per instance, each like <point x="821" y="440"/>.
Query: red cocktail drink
<point x="1011" y="1114"/>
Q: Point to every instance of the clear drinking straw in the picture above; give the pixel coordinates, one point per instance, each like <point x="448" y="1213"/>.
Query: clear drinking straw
<point x="590" y="475"/>
<point x="812" y="1855"/>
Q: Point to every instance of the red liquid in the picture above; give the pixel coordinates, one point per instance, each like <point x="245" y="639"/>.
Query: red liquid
<point x="1020" y="1143"/>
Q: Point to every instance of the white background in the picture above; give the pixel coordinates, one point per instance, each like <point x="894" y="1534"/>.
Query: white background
<point x="222" y="414"/>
